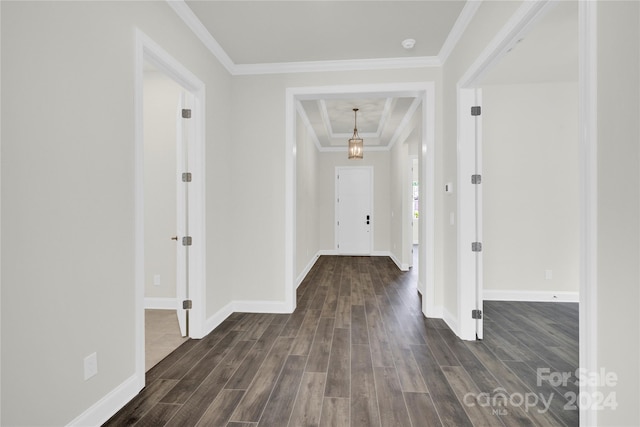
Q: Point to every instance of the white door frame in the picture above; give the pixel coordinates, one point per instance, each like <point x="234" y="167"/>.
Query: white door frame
<point x="148" y="50"/>
<point x="338" y="169"/>
<point x="519" y="23"/>
<point x="425" y="91"/>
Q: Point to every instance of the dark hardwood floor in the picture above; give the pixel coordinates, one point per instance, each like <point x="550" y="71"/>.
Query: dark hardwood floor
<point x="358" y="351"/>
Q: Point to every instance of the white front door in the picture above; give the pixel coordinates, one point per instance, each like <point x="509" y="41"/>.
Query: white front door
<point x="354" y="201"/>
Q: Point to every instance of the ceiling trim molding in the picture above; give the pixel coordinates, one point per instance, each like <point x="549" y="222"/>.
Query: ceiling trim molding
<point x="331" y="134"/>
<point x="324" y="114"/>
<point x="307" y="124"/>
<point x="464" y="19"/>
<point x="504" y="40"/>
<point x="198" y="28"/>
<point x="405" y="122"/>
<point x="386" y="112"/>
<point x="338" y="65"/>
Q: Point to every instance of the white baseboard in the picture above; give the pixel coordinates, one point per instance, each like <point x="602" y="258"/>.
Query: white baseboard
<point x="212" y="322"/>
<point x="530" y="296"/>
<point x="243" y="307"/>
<point x="160" y="303"/>
<point x="401" y="266"/>
<point x="328" y="252"/>
<point x="450" y="320"/>
<point x="104" y="409"/>
<point x="435" y="311"/>
<point x="307" y="269"/>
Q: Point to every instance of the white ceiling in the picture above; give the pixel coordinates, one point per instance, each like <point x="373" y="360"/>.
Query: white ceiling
<point x="273" y="36"/>
<point x="258" y="32"/>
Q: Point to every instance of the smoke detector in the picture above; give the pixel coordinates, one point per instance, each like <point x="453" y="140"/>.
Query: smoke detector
<point x="408" y="43"/>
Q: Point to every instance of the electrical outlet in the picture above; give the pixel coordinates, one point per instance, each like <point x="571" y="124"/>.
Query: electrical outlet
<point x="90" y="366"/>
<point x="548" y="274"/>
<point x="156" y="279"/>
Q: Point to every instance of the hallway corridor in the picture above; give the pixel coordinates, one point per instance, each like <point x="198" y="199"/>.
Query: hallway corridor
<point x="358" y="351"/>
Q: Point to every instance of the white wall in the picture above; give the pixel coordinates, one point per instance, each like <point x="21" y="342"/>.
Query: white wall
<point x="161" y="100"/>
<point x="68" y="197"/>
<point x="398" y="210"/>
<point x="400" y="197"/>
<point x="531" y="190"/>
<point x="307" y="211"/>
<point x="618" y="90"/>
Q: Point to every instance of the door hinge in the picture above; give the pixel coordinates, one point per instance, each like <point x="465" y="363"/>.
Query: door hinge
<point x="186" y="113"/>
<point x="476" y="314"/>
<point x="187" y="304"/>
<point x="476" y="247"/>
<point x="476" y="111"/>
<point x="187" y="177"/>
<point x="476" y="179"/>
<point x="186" y="241"/>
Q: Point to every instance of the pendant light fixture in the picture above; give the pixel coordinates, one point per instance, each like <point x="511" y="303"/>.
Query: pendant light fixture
<point x="356" y="147"/>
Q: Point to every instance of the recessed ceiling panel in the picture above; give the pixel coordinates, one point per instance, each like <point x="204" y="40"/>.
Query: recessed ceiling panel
<point x="379" y="118"/>
<point x="341" y="115"/>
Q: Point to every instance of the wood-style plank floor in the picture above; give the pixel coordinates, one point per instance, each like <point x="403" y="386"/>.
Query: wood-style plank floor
<point x="357" y="351"/>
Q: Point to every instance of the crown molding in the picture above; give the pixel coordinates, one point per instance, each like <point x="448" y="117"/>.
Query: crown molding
<point x="466" y="15"/>
<point x="307" y="124"/>
<point x="186" y="14"/>
<point x="338" y="65"/>
<point x="405" y="122"/>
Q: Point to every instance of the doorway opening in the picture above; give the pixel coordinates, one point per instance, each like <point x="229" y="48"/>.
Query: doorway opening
<point x="470" y="267"/>
<point x="166" y="138"/>
<point x="176" y="201"/>
<point x="423" y="94"/>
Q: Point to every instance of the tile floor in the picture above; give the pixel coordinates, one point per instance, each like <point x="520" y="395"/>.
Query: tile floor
<point x="358" y="351"/>
<point x="162" y="335"/>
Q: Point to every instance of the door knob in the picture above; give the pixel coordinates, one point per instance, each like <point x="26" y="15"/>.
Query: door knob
<point x="175" y="238"/>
